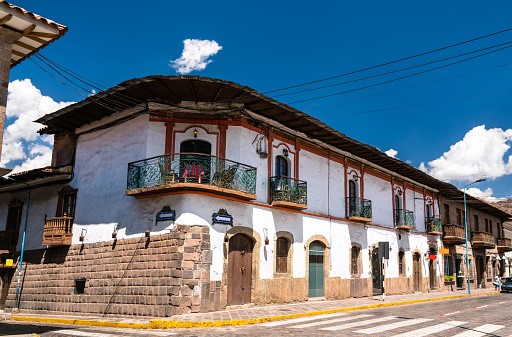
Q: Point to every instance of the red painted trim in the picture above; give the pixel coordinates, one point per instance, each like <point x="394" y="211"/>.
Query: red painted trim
<point x="362" y="181"/>
<point x="345" y="183"/>
<point x="297" y="151"/>
<point x="169" y="137"/>
<point x="200" y="127"/>
<point x="269" y="163"/>
<point x="222" y="142"/>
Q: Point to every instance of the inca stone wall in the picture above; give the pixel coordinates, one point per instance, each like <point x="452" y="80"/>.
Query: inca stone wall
<point x="162" y="275"/>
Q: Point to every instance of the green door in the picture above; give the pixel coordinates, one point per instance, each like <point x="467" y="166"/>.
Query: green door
<point x="376" y="273"/>
<point x="316" y="270"/>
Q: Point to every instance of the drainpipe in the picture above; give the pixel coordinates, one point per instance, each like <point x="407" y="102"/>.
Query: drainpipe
<point x="17" y="301"/>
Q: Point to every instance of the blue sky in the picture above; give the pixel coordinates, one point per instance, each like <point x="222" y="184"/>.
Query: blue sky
<point x="271" y="45"/>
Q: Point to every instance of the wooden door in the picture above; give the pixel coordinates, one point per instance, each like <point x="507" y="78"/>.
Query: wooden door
<point x="316" y="277"/>
<point x="416" y="272"/>
<point x="376" y="273"/>
<point x="239" y="269"/>
<point x="432" y="274"/>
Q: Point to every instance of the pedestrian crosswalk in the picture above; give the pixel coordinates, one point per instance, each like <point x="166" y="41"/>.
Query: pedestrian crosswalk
<point x="373" y="324"/>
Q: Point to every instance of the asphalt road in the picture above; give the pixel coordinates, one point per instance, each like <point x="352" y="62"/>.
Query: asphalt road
<point x="464" y="317"/>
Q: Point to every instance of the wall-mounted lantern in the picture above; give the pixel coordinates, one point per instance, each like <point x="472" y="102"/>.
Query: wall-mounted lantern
<point x="265" y="233"/>
<point x="285" y="152"/>
<point x="82" y="235"/>
<point x="195" y="132"/>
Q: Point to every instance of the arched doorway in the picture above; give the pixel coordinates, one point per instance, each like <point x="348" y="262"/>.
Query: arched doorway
<point x="193" y="167"/>
<point x="316" y="269"/>
<point x="416" y="272"/>
<point x="376" y="273"/>
<point x="239" y="269"/>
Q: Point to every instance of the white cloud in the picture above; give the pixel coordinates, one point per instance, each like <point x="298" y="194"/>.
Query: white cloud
<point x="485" y="195"/>
<point x="195" y="55"/>
<point x="480" y="154"/>
<point x="392" y="153"/>
<point x="25" y="103"/>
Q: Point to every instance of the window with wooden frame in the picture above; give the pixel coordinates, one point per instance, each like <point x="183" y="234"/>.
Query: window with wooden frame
<point x="67" y="202"/>
<point x="12" y="226"/>
<point x="459" y="217"/>
<point x="486" y="225"/>
<point x="490" y="226"/>
<point x="354" y="260"/>
<point x="477" y="225"/>
<point x="401" y="263"/>
<point x="447" y="214"/>
<point x="282" y="247"/>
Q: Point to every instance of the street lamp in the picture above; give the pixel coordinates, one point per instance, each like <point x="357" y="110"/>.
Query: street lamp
<point x="466" y="229"/>
<point x="17" y="302"/>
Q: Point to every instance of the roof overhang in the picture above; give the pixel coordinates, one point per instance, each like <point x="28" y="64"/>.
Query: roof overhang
<point x="36" y="178"/>
<point x="175" y="92"/>
<point x="31" y="32"/>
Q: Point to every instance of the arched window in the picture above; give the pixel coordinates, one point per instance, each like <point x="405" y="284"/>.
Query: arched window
<point x="398" y="204"/>
<point x="281" y="167"/>
<point x="282" y="248"/>
<point x="354" y="260"/>
<point x="398" y="211"/>
<point x="401" y="263"/>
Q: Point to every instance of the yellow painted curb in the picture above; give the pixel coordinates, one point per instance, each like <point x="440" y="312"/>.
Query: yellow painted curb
<point x="80" y="322"/>
<point x="168" y="324"/>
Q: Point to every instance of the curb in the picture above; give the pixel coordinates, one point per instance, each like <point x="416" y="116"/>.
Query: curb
<point x="169" y="324"/>
<point x="109" y="324"/>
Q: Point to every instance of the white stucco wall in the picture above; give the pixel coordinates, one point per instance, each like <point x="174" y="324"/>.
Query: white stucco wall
<point x="379" y="192"/>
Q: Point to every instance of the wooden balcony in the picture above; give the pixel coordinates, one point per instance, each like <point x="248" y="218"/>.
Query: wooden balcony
<point x="434" y="226"/>
<point x="288" y="192"/>
<point x="404" y="220"/>
<point x="8" y="241"/>
<point x="453" y="234"/>
<point x="58" y="231"/>
<point x="483" y="240"/>
<point x="359" y="209"/>
<point x="180" y="172"/>
<point x="504" y="245"/>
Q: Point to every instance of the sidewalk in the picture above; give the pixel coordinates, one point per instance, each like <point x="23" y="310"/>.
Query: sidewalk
<point x="250" y="315"/>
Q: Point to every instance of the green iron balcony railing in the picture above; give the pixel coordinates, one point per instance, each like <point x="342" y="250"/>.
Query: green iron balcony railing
<point x="288" y="192"/>
<point x="404" y="219"/>
<point x="191" y="168"/>
<point x="434" y="225"/>
<point x="359" y="208"/>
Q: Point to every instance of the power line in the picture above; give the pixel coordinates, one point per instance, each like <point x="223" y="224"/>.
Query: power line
<point x="399" y="78"/>
<point x="388" y="63"/>
<point x="391" y="72"/>
<point x="417" y="105"/>
<point x="408" y="87"/>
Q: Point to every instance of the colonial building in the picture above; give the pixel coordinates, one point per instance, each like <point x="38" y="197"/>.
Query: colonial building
<point x="487" y="243"/>
<point x="176" y="194"/>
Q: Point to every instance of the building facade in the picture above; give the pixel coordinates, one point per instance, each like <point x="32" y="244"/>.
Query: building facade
<point x="178" y="194"/>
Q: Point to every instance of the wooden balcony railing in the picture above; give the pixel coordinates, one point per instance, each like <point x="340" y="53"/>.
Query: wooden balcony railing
<point x="288" y="192"/>
<point x="8" y="241"/>
<point x="504" y="245"/>
<point x="453" y="234"/>
<point x="172" y="173"/>
<point x="359" y="209"/>
<point x="58" y="231"/>
<point x="404" y="219"/>
<point x="482" y="240"/>
<point x="434" y="225"/>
